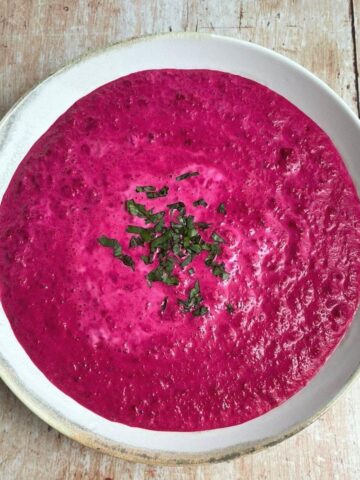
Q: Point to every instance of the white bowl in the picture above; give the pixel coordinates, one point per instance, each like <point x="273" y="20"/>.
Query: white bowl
<point x="34" y="114"/>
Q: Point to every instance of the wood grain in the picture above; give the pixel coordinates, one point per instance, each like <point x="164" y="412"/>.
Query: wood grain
<point x="38" y="37"/>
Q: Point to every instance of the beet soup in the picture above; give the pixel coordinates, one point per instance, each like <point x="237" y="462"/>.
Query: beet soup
<point x="180" y="250"/>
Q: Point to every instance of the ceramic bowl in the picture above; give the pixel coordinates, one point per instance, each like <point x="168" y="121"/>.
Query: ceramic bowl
<point x="34" y="114"/>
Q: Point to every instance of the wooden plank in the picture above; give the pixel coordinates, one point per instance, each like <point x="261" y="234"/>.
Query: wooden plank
<point x="36" y="38"/>
<point x="354" y="6"/>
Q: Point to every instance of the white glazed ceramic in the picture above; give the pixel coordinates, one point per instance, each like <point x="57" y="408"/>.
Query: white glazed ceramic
<point x="34" y="114"/>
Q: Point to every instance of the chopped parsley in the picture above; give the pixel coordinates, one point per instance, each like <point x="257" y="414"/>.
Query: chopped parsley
<point x="229" y="308"/>
<point x="136" y="242"/>
<point x="147" y="259"/>
<point x="161" y="193"/>
<point x="180" y="206"/>
<point x="218" y="269"/>
<point x="187" y="261"/>
<point x="171" y="246"/>
<point x="139" y="210"/>
<point x="221" y="209"/>
<point x="147" y="188"/>
<point x="146" y="234"/>
<point x="163" y="273"/>
<point x="111" y="243"/>
<point x="202" y="310"/>
<point x="186" y="175"/>
<point x="117" y="250"/>
<point x="193" y="302"/>
<point x="199" y="202"/>
<point x="217" y="238"/>
<point x="127" y="260"/>
<point x="203" y="225"/>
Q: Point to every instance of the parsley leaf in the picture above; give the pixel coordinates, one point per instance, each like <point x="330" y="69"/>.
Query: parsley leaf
<point x="193" y="302"/>
<point x="221" y="209"/>
<point x="199" y="202"/>
<point x="186" y="175"/>
<point x="161" y="193"/>
<point x="117" y="250"/>
<point x="146" y="188"/>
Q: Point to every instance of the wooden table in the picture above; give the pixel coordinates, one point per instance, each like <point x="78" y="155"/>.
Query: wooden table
<point x="38" y="37"/>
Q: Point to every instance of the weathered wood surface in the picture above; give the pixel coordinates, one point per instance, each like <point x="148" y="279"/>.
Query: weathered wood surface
<point x="38" y="37"/>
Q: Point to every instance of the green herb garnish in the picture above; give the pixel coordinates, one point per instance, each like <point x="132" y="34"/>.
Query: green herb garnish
<point x="147" y="259"/>
<point x="202" y="310"/>
<point x="155" y="217"/>
<point x="162" y="241"/>
<point x="186" y="175"/>
<point x="146" y="234"/>
<point x="203" y="225"/>
<point x="230" y="308"/>
<point x="139" y="210"/>
<point x="136" y="242"/>
<point x="214" y="250"/>
<point x="171" y="246"/>
<point x="218" y="269"/>
<point x="108" y="242"/>
<point x="161" y="274"/>
<point x="187" y="261"/>
<point x="217" y="238"/>
<point x="146" y="188"/>
<point x="193" y="302"/>
<point x="180" y="206"/>
<point x="161" y="193"/>
<point x="127" y="260"/>
<point x="199" y="202"/>
<point x="221" y="209"/>
<point x="117" y="250"/>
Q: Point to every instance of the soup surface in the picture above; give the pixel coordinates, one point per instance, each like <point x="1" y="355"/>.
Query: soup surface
<point x="203" y="314"/>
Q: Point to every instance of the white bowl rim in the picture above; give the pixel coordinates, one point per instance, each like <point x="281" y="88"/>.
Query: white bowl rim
<point x="88" y="435"/>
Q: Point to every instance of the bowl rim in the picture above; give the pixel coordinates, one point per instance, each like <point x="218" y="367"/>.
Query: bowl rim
<point x="91" y="439"/>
